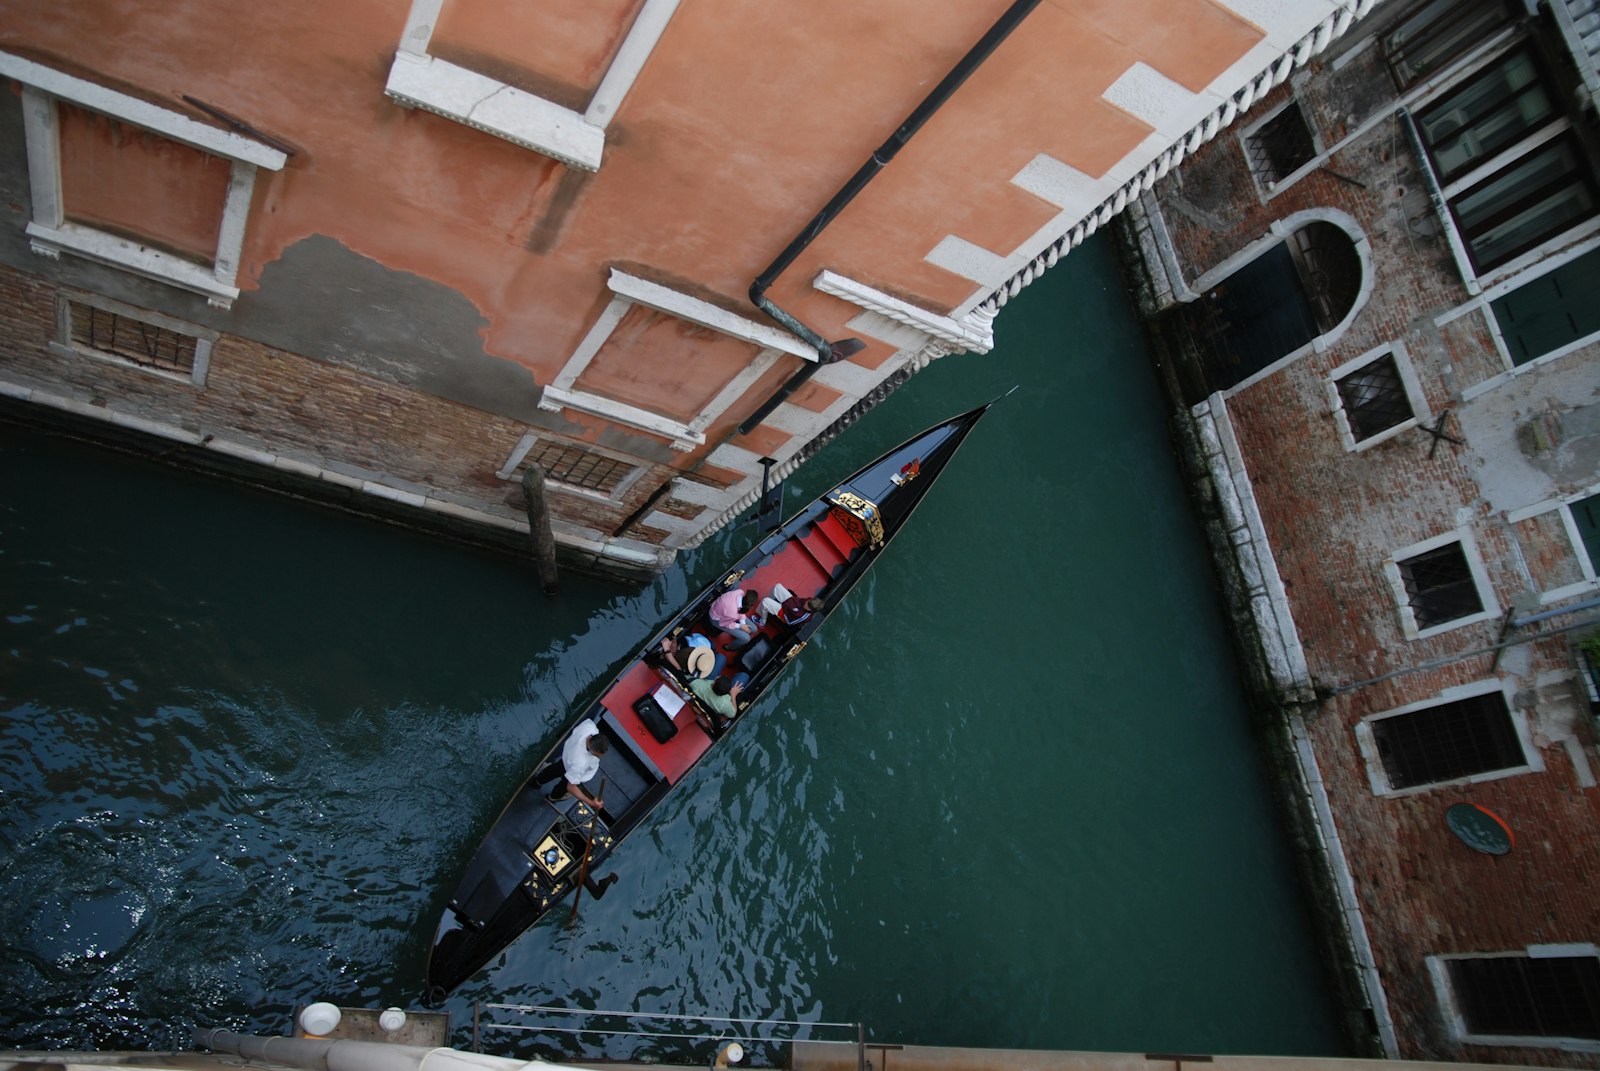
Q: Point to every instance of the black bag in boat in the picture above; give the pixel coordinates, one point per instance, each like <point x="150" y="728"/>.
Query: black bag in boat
<point x="655" y="719"/>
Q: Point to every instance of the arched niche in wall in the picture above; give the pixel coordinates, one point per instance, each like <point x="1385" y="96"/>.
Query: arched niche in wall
<point x="1293" y="291"/>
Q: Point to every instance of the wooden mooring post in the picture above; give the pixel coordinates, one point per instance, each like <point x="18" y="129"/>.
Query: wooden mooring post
<point x="544" y="540"/>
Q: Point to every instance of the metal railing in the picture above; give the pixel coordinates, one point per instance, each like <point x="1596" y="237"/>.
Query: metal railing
<point x="703" y="1036"/>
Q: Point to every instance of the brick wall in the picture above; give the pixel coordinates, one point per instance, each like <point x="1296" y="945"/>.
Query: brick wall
<point x="1333" y="516"/>
<point x="309" y="411"/>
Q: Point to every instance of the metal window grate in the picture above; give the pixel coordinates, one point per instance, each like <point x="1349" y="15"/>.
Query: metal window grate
<point x="1439" y="585"/>
<point x="1519" y="996"/>
<point x="1374" y="398"/>
<point x="131" y="339"/>
<point x="580" y="468"/>
<point x="1448" y="741"/>
<point x="1280" y="146"/>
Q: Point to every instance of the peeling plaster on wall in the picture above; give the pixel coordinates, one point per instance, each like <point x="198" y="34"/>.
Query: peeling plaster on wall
<point x="328" y="302"/>
<point x="1536" y="436"/>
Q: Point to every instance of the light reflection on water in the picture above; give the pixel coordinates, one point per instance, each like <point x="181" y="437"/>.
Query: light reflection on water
<point x="1007" y="797"/>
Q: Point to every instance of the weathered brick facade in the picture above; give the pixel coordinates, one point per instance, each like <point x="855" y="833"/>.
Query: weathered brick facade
<point x="1339" y="526"/>
<point x="309" y="425"/>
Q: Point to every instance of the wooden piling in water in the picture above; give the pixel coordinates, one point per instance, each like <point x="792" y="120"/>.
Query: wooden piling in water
<point x="544" y="540"/>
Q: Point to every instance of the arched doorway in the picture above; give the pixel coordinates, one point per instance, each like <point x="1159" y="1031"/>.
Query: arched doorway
<point x="1276" y="304"/>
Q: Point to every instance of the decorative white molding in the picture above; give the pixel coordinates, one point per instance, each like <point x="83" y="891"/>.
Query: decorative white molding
<point x="51" y="235"/>
<point x="163" y="121"/>
<point x="418" y="80"/>
<point x="674" y="303"/>
<point x="630" y="290"/>
<point x="648" y="26"/>
<point x="974" y="333"/>
<point x="482" y="103"/>
<point x="683" y="437"/>
<point x="106" y="248"/>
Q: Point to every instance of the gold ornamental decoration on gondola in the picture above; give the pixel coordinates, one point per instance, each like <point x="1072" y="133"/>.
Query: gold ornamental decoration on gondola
<point x="859" y="517"/>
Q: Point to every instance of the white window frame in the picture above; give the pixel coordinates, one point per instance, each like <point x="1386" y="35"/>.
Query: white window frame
<point x="1415" y="101"/>
<point x="63" y="344"/>
<point x="577" y="139"/>
<point x="562" y="392"/>
<point x="1319" y="155"/>
<point x="1408" y="380"/>
<point x="1580" y="553"/>
<point x="525" y="445"/>
<point x="1378" y="775"/>
<point x="1480" y="580"/>
<point x="1438" y="971"/>
<point x="51" y="234"/>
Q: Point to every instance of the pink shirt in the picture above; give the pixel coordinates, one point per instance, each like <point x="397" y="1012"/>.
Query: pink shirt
<point x="725" y="612"/>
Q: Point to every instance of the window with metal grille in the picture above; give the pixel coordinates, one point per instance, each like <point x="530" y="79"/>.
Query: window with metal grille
<point x="1448" y="742"/>
<point x="1439" y="585"/>
<point x="1280" y="146"/>
<point x="579" y="468"/>
<point x="1525" y="996"/>
<point x="1374" y="398"/>
<point x="1434" y="33"/>
<point x="131" y="339"/>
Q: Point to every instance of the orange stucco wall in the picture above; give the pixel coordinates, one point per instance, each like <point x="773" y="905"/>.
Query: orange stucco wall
<point x="743" y="123"/>
<point x="119" y="178"/>
<point x="665" y="364"/>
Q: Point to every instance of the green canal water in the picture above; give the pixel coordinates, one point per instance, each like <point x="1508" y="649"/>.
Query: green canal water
<point x="1008" y="797"/>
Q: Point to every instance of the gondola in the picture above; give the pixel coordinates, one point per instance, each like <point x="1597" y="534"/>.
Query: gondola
<point x="542" y="847"/>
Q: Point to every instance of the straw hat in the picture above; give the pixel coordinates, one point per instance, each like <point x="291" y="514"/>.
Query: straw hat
<point x="699" y="662"/>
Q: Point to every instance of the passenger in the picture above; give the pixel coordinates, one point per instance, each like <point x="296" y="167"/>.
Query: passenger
<point x="580" y="760"/>
<point x="795" y="609"/>
<point x="721" y="696"/>
<point x="694" y="657"/>
<point x="738" y="613"/>
<point x="788" y="607"/>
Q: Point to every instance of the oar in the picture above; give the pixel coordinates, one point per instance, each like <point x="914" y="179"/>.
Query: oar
<point x="588" y="849"/>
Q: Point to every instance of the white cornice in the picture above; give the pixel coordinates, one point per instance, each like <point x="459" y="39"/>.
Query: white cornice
<point x="973" y="333"/>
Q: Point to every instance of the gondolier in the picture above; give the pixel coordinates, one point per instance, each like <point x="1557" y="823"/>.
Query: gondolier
<point x="580" y="760"/>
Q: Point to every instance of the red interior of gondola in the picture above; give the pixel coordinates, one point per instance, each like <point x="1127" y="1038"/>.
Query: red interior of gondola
<point x="805" y="565"/>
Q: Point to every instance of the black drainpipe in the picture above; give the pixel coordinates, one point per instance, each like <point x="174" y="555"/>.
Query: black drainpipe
<point x="830" y="352"/>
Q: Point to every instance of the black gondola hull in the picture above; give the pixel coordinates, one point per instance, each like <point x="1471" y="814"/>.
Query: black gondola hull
<point x="532" y="857"/>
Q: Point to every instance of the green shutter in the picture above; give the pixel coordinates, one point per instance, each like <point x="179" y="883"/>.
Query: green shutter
<point x="1586" y="512"/>
<point x="1553" y="310"/>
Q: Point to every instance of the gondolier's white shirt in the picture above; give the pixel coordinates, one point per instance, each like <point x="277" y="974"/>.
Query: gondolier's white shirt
<point x="581" y="763"/>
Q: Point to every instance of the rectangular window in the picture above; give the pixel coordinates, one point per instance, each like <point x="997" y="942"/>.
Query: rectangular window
<point x="1447" y="742"/>
<point x="1526" y="996"/>
<point x="1439" y="586"/>
<point x="1533" y="198"/>
<point x="94" y="326"/>
<point x="1374" y="398"/>
<point x="1280" y="146"/>
<point x="135" y="341"/>
<point x="1486" y="115"/>
<point x="579" y="468"/>
<point x="1551" y="312"/>
<point x="1434" y="33"/>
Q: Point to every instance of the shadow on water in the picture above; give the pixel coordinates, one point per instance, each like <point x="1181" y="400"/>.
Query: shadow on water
<point x="1008" y="797"/>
